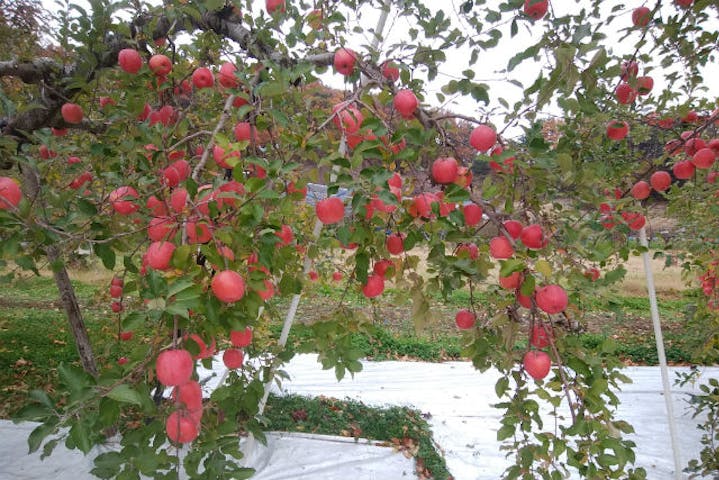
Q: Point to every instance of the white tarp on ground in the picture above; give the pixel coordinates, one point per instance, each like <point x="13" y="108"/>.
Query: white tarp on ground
<point x="457" y="398"/>
<point x="287" y="456"/>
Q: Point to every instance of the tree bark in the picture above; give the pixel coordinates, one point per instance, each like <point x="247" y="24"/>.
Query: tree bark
<point x="72" y="310"/>
<point x="64" y="286"/>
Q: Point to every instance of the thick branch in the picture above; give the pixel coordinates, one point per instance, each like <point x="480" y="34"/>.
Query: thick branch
<point x="35" y="71"/>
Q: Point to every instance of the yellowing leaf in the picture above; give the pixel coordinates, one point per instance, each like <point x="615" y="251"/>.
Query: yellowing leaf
<point x="543" y="267"/>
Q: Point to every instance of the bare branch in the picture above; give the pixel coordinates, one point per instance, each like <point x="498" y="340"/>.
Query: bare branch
<point x="35" y="71"/>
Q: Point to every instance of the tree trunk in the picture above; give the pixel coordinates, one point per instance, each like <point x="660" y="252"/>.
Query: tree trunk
<point x="64" y="287"/>
<point x="72" y="310"/>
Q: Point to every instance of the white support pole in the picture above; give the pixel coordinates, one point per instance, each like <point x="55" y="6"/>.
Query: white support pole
<point x="661" y="354"/>
<point x="292" y="311"/>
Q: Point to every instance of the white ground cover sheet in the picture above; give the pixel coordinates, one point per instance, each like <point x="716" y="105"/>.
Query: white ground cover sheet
<point x="286" y="456"/>
<point x="457" y="398"/>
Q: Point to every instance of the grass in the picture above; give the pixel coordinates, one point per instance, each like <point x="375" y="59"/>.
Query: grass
<point x="401" y="428"/>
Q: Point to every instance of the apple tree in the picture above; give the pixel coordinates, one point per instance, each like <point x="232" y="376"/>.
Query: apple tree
<point x="176" y="142"/>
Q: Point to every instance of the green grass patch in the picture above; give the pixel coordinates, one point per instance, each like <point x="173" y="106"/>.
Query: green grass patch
<point x="402" y="428"/>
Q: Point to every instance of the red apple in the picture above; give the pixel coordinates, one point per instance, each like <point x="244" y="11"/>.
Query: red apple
<point x="122" y="361"/>
<point x="500" y="247"/>
<point x="180" y="427"/>
<point x="330" y="210"/>
<point x="660" y="181"/>
<point x="641" y="190"/>
<point x="683" y="170"/>
<point x="472" y="214"/>
<point x="244" y="132"/>
<point x="641" y="16"/>
<point x="46" y="153"/>
<point x="126" y="335"/>
<point x="444" y="170"/>
<point x="344" y="61"/>
<point x="390" y="71"/>
<point x="625" y="93"/>
<point x="241" y="338"/>
<point x="684" y="3"/>
<point x="551" y="299"/>
<point x="205" y="351"/>
<point x="160" y="65"/>
<point x="532" y="236"/>
<point x="285" y="234"/>
<point x="226" y="75"/>
<point x="105" y="101"/>
<point x="273" y="6"/>
<point x="10" y="193"/>
<point x="468" y="250"/>
<point x="159" y="255"/>
<point x="514" y="228"/>
<point x="464" y="177"/>
<point x="116" y="307"/>
<point x="704" y="158"/>
<point x="644" y="85"/>
<point x="58" y="132"/>
<point x="119" y="200"/>
<point x="174" y="367"/>
<point x="465" y="319"/>
<point x="233" y="358"/>
<point x="374" y="286"/>
<point x="422" y="205"/>
<point x="395" y="181"/>
<point x="161" y="228"/>
<point x="536" y="9"/>
<point x="523" y="300"/>
<point x="178" y="201"/>
<point x="71" y="113"/>
<point x="630" y="69"/>
<point x="617" y="130"/>
<point x="189" y="395"/>
<point x="405" y="102"/>
<point x="202" y="78"/>
<point x="512" y="281"/>
<point x="537" y="364"/>
<point x="380" y="268"/>
<point x="593" y="274"/>
<point x="634" y="220"/>
<point x="347" y="117"/>
<point x="337" y="276"/>
<point x="483" y="138"/>
<point x="395" y="243"/>
<point x="116" y="291"/>
<point x="228" y="286"/>
<point x="129" y="60"/>
<point x="539" y="337"/>
<point x="198" y="231"/>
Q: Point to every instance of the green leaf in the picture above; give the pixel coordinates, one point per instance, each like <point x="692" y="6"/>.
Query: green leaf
<point x="106" y="254"/>
<point x="501" y="386"/>
<point x="34" y="440"/>
<point x="74" y="378"/>
<point x="125" y="394"/>
<point x="505" y="432"/>
<point x="81" y="437"/>
<point x="42" y="398"/>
